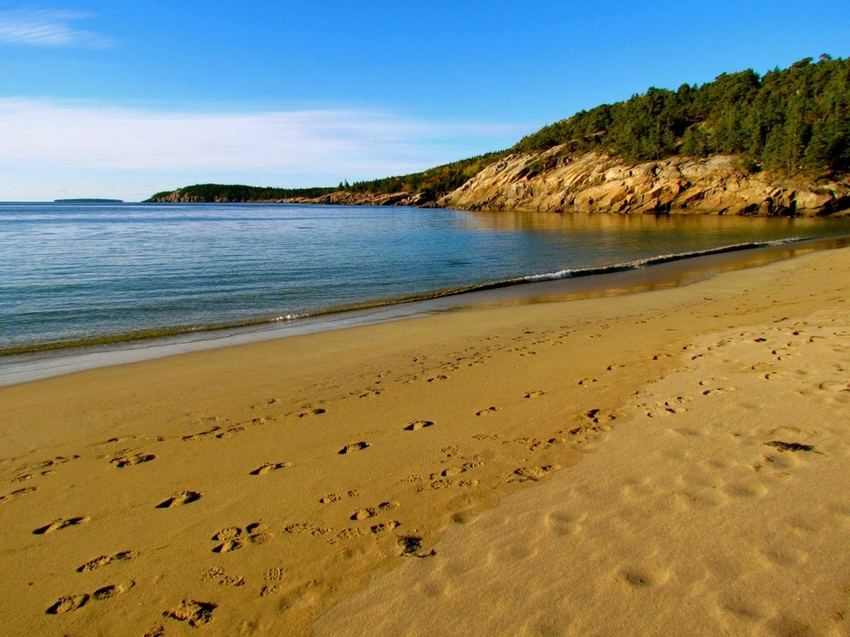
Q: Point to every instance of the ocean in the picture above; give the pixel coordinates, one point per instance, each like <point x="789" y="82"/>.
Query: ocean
<point x="88" y="273"/>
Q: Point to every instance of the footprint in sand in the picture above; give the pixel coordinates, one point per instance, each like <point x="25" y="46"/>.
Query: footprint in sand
<point x="534" y="394"/>
<point x="416" y="425"/>
<point x="258" y="533"/>
<point x="439" y="377"/>
<point x="534" y="444"/>
<point x="128" y="461"/>
<point x="596" y="416"/>
<point x="370" y="512"/>
<point x="229" y="432"/>
<point x="201" y="434"/>
<point x="193" y="612"/>
<point x="233" y="538"/>
<point x="112" y="590"/>
<point x="68" y="603"/>
<point x="18" y="492"/>
<point x="229" y="545"/>
<point x="297" y="528"/>
<point x="525" y="474"/>
<point x="383" y="527"/>
<point x="487" y="411"/>
<point x="222" y="578"/>
<point x="335" y="497"/>
<point x="56" y="525"/>
<point x="586" y="382"/>
<point x="667" y="408"/>
<point x="315" y="411"/>
<point x="179" y="499"/>
<point x="714" y="386"/>
<point x="717" y="390"/>
<point x="74" y="602"/>
<point x="103" y="560"/>
<point x="352" y="447"/>
<point x="44" y="464"/>
<point x="266" y="403"/>
<point x="269" y="466"/>
<point x="486" y="436"/>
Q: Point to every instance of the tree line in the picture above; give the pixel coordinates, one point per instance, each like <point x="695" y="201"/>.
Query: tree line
<point x="792" y="120"/>
<point x="238" y="192"/>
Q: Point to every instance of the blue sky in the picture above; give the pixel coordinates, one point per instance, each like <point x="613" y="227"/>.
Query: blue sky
<point x="126" y="98"/>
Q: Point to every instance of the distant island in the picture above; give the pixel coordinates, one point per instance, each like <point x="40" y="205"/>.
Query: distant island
<point x="90" y="200"/>
<point x="777" y="144"/>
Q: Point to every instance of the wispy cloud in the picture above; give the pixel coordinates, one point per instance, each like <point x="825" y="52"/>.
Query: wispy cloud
<point x="297" y="147"/>
<point x="46" y="28"/>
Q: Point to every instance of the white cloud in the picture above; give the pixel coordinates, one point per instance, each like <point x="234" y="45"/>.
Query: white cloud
<point x="46" y="28"/>
<point x="292" y="147"/>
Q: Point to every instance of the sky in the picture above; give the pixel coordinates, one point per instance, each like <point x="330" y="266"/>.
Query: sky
<point x="123" y="99"/>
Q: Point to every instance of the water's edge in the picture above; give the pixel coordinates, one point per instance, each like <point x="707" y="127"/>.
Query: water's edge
<point x="177" y="330"/>
<point x="662" y="271"/>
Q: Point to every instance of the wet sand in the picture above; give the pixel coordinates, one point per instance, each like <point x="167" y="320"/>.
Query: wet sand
<point x="592" y="466"/>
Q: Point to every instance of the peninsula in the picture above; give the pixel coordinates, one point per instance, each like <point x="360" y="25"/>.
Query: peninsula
<point x="777" y="144"/>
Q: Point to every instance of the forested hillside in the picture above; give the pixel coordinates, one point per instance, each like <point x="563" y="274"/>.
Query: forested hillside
<point x="792" y="120"/>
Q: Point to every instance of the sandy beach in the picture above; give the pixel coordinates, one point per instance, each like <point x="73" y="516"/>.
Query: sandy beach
<point x="671" y="462"/>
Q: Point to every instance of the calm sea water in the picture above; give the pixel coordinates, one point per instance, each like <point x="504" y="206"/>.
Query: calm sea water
<point x="88" y="270"/>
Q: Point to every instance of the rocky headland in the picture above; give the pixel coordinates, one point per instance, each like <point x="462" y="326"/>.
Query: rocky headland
<point x="555" y="181"/>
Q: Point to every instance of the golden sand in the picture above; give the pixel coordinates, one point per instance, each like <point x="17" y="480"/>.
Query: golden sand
<point x="664" y="463"/>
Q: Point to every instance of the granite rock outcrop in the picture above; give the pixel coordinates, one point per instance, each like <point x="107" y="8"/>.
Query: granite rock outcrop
<point x="555" y="181"/>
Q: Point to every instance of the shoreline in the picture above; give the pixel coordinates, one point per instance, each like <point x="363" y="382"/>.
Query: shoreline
<point x="164" y="332"/>
<point x="29" y="363"/>
<point x="262" y="484"/>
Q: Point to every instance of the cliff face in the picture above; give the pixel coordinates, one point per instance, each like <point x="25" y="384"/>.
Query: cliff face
<point x="553" y="181"/>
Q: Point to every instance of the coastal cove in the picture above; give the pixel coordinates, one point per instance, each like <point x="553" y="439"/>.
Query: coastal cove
<point x="425" y="320"/>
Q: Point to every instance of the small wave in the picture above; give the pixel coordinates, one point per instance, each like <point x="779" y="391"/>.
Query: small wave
<point x="568" y="273"/>
<point x="646" y="261"/>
